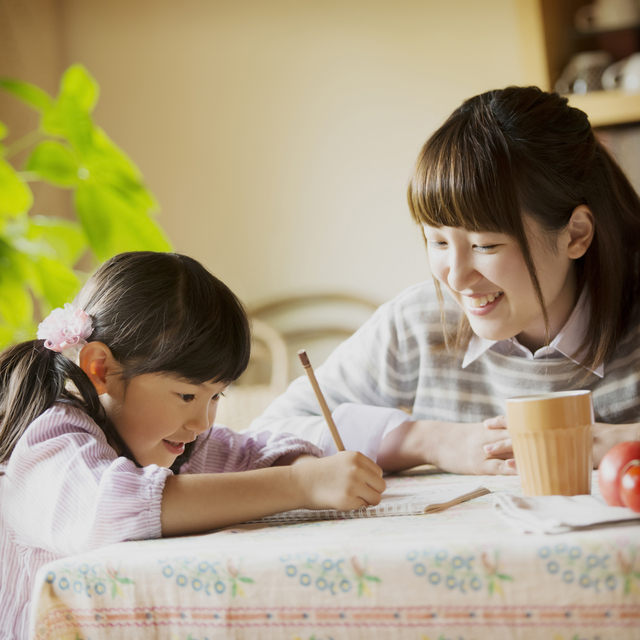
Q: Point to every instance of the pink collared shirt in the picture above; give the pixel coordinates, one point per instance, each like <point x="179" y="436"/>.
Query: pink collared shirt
<point x="565" y="344"/>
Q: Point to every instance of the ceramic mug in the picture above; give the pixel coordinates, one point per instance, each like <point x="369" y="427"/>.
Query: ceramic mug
<point x="584" y="72"/>
<point x="624" y="74"/>
<point x="607" y="15"/>
<point x="552" y="442"/>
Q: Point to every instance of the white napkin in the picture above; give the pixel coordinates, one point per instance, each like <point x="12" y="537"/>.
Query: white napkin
<point x="559" y="514"/>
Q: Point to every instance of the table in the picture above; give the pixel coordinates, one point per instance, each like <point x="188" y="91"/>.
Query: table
<point x="461" y="574"/>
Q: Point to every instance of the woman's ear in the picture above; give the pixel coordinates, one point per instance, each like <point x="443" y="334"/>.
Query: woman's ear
<point x="99" y="364"/>
<point x="581" y="230"/>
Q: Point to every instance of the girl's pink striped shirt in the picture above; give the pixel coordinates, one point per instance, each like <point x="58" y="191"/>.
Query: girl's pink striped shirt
<point x="65" y="491"/>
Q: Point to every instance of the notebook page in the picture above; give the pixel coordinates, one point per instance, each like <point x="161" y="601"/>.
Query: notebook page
<point x="395" y="502"/>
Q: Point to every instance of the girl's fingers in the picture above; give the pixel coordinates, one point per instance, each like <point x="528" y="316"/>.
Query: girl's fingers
<point x="369" y="495"/>
<point x="377" y="483"/>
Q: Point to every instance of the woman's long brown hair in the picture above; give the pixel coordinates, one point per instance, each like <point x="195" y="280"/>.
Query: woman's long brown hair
<point x="518" y="152"/>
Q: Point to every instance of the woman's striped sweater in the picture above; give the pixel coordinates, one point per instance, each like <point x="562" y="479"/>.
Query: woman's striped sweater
<point x="393" y="361"/>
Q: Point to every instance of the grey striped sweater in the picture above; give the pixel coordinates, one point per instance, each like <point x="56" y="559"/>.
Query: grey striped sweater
<point x="391" y="362"/>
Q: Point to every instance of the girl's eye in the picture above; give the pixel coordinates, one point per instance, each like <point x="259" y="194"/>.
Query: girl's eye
<point x="187" y="397"/>
<point x="485" y="247"/>
<point x="217" y="396"/>
<point x="437" y="245"/>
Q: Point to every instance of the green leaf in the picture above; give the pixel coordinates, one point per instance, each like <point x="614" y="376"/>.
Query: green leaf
<point x="65" y="238"/>
<point x="78" y="87"/>
<point x="55" y="163"/>
<point x="372" y="579"/>
<point x="59" y="283"/>
<point x="502" y="576"/>
<point x="6" y="334"/>
<point x="70" y="116"/>
<point x="66" y="120"/>
<point x="3" y="130"/>
<point x="112" y="226"/>
<point x="16" y="306"/>
<point x="15" y="195"/>
<point x="246" y="580"/>
<point x="109" y="165"/>
<point x="27" y="93"/>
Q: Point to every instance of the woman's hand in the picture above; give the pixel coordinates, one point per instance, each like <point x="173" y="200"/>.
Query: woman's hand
<point x="501" y="448"/>
<point x="344" y="481"/>
<point x="477" y="448"/>
<point x="607" y="436"/>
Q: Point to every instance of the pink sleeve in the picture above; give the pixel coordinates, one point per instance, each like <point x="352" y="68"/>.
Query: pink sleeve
<point x="65" y="489"/>
<point x="221" y="450"/>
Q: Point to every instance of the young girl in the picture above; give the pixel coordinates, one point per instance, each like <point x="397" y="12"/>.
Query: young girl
<point x="106" y="426"/>
<point x="533" y="233"/>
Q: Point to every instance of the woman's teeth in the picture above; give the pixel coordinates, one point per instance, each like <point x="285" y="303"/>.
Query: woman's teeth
<point x="485" y="300"/>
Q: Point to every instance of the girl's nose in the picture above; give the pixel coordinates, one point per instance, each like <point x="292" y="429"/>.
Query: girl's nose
<point x="199" y="422"/>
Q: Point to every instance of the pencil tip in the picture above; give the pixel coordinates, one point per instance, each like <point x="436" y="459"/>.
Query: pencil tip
<point x="304" y="358"/>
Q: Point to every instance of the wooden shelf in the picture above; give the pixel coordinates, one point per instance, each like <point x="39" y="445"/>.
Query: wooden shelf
<point x="606" y="108"/>
<point x="546" y="28"/>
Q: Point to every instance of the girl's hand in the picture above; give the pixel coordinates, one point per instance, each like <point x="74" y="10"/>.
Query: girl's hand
<point x="344" y="481"/>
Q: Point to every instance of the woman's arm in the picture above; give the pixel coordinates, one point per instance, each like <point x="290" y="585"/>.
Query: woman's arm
<point x="197" y="503"/>
<point x="454" y="447"/>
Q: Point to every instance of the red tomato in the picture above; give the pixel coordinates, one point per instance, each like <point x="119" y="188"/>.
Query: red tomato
<point x="611" y="467"/>
<point x="630" y="486"/>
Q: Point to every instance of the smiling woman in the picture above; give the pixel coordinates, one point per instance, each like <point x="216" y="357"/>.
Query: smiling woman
<point x="486" y="275"/>
<point x="533" y="234"/>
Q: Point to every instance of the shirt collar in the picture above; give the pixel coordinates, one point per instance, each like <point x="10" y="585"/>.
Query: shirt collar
<point x="566" y="342"/>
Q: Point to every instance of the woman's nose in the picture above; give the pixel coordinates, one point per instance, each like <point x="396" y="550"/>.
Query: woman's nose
<point x="462" y="273"/>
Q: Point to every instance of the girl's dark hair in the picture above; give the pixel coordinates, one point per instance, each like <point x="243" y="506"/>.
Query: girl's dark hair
<point x="157" y="313"/>
<point x="521" y="151"/>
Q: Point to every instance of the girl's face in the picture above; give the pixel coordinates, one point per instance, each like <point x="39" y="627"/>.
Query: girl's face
<point x="156" y="414"/>
<point x="486" y="275"/>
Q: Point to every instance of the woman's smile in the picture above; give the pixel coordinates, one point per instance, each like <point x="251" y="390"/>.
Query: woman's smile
<point x="486" y="274"/>
<point x="482" y="304"/>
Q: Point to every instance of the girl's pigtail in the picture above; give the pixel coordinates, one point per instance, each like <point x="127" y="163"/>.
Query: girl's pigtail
<point x="32" y="379"/>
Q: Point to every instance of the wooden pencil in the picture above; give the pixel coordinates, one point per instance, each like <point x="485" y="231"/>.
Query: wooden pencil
<point x="304" y="358"/>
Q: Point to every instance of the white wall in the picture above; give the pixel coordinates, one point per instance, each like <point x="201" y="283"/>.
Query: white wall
<point x="279" y="135"/>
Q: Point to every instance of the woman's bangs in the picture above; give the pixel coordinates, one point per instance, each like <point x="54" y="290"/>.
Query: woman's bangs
<point x="459" y="182"/>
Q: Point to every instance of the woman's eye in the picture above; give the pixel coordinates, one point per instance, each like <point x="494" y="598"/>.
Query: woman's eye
<point x="485" y="247"/>
<point x="217" y="396"/>
<point x="436" y="244"/>
<point x="187" y="397"/>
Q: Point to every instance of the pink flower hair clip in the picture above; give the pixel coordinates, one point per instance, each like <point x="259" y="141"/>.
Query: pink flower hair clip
<point x="65" y="330"/>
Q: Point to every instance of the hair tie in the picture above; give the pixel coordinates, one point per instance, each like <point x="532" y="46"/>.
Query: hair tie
<point x="65" y="330"/>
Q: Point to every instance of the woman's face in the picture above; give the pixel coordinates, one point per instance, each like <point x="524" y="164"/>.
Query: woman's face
<point x="486" y="275"/>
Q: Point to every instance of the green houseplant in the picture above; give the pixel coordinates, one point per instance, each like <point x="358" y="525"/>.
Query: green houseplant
<point x="113" y="208"/>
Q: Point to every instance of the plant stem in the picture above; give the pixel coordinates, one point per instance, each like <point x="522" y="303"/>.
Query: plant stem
<point x="22" y="143"/>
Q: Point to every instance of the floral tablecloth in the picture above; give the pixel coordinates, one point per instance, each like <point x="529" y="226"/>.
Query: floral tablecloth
<point x="461" y="574"/>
